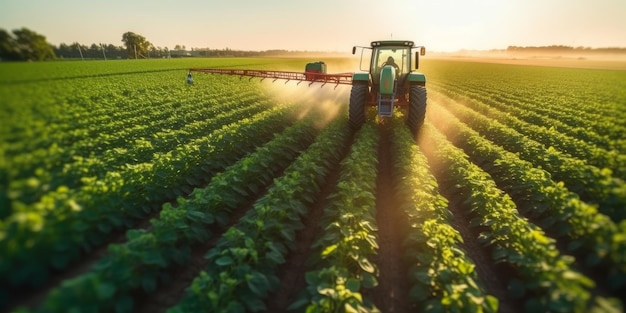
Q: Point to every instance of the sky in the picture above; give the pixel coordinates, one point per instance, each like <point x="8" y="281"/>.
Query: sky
<point x="324" y="25"/>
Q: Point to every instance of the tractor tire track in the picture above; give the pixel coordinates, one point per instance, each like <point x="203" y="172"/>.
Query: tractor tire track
<point x="391" y="294"/>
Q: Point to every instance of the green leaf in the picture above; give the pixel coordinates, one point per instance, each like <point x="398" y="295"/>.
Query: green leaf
<point x="154" y="258"/>
<point x="365" y="265"/>
<point x="254" y="304"/>
<point x="499" y="254"/>
<point x="300" y="303"/>
<point x="168" y="235"/>
<point x="312" y="278"/>
<point x="134" y="233"/>
<point x="368" y="280"/>
<point x="314" y="309"/>
<point x="353" y="284"/>
<point x="606" y="305"/>
<point x="259" y="284"/>
<point x="105" y="291"/>
<point x="422" y="276"/>
<point x="419" y="293"/>
<point x="328" y="250"/>
<point x="224" y="261"/>
<point x="574" y="245"/>
<point x="492" y="303"/>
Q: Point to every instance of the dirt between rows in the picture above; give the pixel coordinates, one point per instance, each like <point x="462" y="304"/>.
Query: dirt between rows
<point x="391" y="294"/>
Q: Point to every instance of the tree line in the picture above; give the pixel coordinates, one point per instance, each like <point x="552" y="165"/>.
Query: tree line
<point x="26" y="45"/>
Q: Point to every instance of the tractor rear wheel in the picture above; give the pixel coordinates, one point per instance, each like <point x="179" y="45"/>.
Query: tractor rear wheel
<point x="357" y="105"/>
<point x="417" y="108"/>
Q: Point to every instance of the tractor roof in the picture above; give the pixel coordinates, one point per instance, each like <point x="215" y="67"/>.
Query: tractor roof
<point x="407" y="43"/>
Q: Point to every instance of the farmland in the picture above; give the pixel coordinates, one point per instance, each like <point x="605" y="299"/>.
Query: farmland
<point x="125" y="189"/>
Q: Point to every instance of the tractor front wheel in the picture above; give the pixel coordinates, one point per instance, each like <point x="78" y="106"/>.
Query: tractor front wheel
<point x="417" y="108"/>
<point x="357" y="105"/>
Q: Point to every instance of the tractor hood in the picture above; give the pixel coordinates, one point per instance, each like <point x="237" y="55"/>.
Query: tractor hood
<point x="387" y="80"/>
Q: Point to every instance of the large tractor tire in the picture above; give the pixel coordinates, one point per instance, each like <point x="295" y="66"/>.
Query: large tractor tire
<point x="356" y="113"/>
<point x="417" y="108"/>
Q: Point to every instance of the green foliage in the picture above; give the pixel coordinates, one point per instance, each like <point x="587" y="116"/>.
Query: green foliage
<point x="443" y="276"/>
<point x="90" y="148"/>
<point x="243" y="264"/>
<point x="553" y="206"/>
<point x="139" y="262"/>
<point x="24" y="45"/>
<point x="341" y="265"/>
<point x="591" y="183"/>
<point x="544" y="278"/>
<point x="137" y="46"/>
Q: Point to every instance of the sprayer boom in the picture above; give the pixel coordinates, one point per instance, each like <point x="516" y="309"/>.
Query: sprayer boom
<point x="312" y="77"/>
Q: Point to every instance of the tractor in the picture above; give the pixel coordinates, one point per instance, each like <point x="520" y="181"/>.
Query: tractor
<point x="389" y="83"/>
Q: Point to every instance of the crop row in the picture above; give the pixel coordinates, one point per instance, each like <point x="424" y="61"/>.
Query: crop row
<point x="546" y="134"/>
<point x="591" y="183"/>
<point x="341" y="262"/>
<point x="558" y="211"/>
<point x="242" y="267"/>
<point x="587" y="95"/>
<point x="543" y="279"/>
<point x="82" y="133"/>
<point x="64" y="104"/>
<point x="76" y="126"/>
<point x="54" y="231"/>
<point x="101" y="135"/>
<point x="142" y="260"/>
<point x="70" y="174"/>
<point x="443" y="276"/>
<point x="592" y="127"/>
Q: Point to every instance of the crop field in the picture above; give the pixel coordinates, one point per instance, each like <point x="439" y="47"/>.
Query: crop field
<point x="124" y="189"/>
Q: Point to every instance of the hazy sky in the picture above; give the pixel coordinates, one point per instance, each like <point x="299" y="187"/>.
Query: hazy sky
<point x="324" y="25"/>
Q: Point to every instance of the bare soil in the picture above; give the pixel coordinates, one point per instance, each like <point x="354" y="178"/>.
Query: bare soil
<point x="391" y="294"/>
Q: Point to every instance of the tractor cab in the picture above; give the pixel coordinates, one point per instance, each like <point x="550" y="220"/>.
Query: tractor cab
<point x="390" y="82"/>
<point x="397" y="57"/>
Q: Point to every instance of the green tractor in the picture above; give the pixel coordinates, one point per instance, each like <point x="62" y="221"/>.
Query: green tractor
<point x="390" y="82"/>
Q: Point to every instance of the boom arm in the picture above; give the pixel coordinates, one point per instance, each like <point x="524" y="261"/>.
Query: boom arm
<point x="312" y="77"/>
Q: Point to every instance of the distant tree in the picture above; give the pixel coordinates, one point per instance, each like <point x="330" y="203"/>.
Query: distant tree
<point x="24" y="45"/>
<point x="8" y="47"/>
<point x="33" y="46"/>
<point x="136" y="43"/>
<point x="64" y="51"/>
